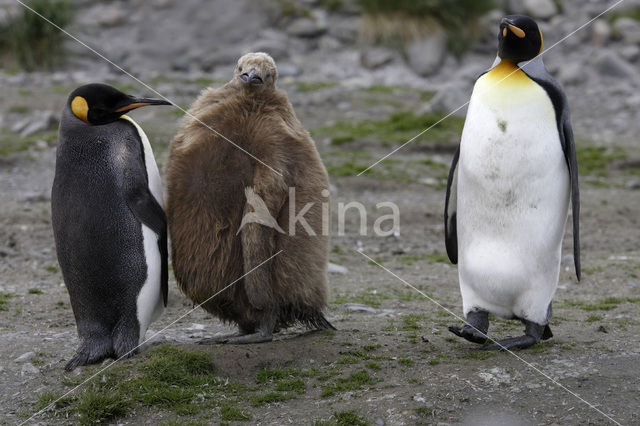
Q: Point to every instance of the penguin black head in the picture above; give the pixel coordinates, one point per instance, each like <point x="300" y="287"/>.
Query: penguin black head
<point x="520" y="38"/>
<point x="97" y="103"/>
<point x="256" y="71"/>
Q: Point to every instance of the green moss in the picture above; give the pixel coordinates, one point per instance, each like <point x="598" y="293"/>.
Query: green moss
<point x="313" y="86"/>
<point x="594" y="160"/>
<point x="477" y="354"/>
<point x="4" y="300"/>
<point x="347" y="168"/>
<point x="19" y="109"/>
<point x="398" y="127"/>
<point x="430" y="258"/>
<point x="410" y="322"/>
<point x="230" y="413"/>
<point x="633" y="13"/>
<point x="12" y="142"/>
<point x="275" y="374"/>
<point x="355" y="381"/>
<point x="35" y="291"/>
<point x="407" y="362"/>
<point x="373" y="365"/>
<point x="349" y="418"/>
<point x="52" y="268"/>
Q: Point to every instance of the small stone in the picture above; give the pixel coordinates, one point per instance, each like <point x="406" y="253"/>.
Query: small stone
<point x="336" y="269"/>
<point x="600" y="32"/>
<point x="40" y="122"/>
<point x="542" y="9"/>
<point x="25" y="357"/>
<point x="426" y="56"/>
<point x="29" y="368"/>
<point x="628" y="29"/>
<point x="357" y="307"/>
<point x="111" y="17"/>
<point x="610" y="64"/>
<point x="631" y="52"/>
<point x="571" y="73"/>
<point x="602" y="329"/>
<point x="62" y="335"/>
<point x="305" y="27"/>
<point x="376" y="57"/>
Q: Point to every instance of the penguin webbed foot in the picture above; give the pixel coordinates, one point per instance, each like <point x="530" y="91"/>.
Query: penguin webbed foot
<point x="533" y="334"/>
<point x="475" y="329"/>
<point x="91" y="351"/>
<point x="247" y="334"/>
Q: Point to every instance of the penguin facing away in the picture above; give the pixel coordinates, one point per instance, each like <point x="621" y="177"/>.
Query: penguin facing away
<point x="228" y="212"/>
<point x="108" y="222"/>
<point x="512" y="179"/>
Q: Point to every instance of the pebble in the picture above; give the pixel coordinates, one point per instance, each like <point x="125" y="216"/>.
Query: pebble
<point x="337" y="269"/>
<point x="25" y="357"/>
<point x="357" y="307"/>
<point x="543" y="9"/>
<point x="426" y="56"/>
<point x="29" y="368"/>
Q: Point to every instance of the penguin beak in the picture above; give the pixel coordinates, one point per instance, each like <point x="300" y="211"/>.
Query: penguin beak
<point x="515" y="30"/>
<point x="140" y="102"/>
<point x="251" y="77"/>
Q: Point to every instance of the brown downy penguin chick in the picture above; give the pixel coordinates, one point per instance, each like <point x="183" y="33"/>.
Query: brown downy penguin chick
<point x="218" y="194"/>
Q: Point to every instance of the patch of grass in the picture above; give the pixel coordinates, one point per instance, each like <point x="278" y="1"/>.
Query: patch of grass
<point x="594" y="160"/>
<point x="373" y="365"/>
<point x="12" y="142"/>
<point x="349" y="418"/>
<point x="97" y="407"/>
<point x="633" y="13"/>
<point x="606" y="304"/>
<point x="19" y="109"/>
<point x="275" y="374"/>
<point x="35" y="291"/>
<point x="430" y="258"/>
<point x="230" y="413"/>
<point x="355" y="381"/>
<point x="347" y="168"/>
<point x="399" y="127"/>
<point x="591" y="271"/>
<point x="477" y="354"/>
<point x="295" y="385"/>
<point x="314" y="86"/>
<point x="403" y="21"/>
<point x="410" y="322"/>
<point x="407" y="362"/>
<point x="4" y="300"/>
<point x="30" y="40"/>
<point x="268" y="398"/>
<point x="47" y="398"/>
<point x="52" y="268"/>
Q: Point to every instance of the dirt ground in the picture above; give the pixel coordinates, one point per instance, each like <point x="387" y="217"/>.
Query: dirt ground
<point x="415" y="371"/>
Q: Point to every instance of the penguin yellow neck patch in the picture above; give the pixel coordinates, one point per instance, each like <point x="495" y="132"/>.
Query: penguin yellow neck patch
<point x="80" y="108"/>
<point x="507" y="73"/>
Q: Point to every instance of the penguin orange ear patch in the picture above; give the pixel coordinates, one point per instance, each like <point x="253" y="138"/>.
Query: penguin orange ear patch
<point x="504" y="32"/>
<point x="80" y="108"/>
<point x="517" y="31"/>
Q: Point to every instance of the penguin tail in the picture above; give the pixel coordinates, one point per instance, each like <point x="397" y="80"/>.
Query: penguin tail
<point x="91" y="351"/>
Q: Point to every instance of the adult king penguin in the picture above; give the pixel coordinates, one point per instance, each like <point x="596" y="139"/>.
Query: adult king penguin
<point x="509" y="189"/>
<point x="108" y="222"/>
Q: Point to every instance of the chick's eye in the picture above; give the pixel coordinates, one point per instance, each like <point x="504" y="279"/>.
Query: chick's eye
<point x="268" y="75"/>
<point x="239" y="69"/>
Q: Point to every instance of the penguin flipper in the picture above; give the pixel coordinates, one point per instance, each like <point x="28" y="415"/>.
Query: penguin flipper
<point x="450" y="210"/>
<point x="258" y="240"/>
<point x="570" y="155"/>
<point x="146" y="208"/>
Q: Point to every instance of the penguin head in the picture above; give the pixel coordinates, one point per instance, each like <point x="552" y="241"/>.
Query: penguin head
<point x="520" y="38"/>
<point x="97" y="104"/>
<point x="256" y="71"/>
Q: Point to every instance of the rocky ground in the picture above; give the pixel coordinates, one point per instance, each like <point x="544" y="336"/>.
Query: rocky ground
<point x="392" y="360"/>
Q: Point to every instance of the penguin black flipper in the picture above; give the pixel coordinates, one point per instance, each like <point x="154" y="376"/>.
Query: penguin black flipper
<point x="537" y="72"/>
<point x="450" y="210"/>
<point x="146" y="208"/>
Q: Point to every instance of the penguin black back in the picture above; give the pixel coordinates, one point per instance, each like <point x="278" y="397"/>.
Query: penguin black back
<point x="103" y="211"/>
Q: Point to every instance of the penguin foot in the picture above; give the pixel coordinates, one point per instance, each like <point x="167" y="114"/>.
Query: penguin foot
<point x="91" y="351"/>
<point x="224" y="338"/>
<point x="469" y="333"/>
<point x="475" y="330"/>
<point x="521" y="342"/>
<point x="533" y="333"/>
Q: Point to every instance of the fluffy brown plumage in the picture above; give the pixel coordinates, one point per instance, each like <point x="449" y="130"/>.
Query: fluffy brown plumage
<point x="207" y="177"/>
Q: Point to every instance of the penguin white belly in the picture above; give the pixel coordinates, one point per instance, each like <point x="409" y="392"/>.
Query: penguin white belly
<point x="512" y="197"/>
<point x="150" y="303"/>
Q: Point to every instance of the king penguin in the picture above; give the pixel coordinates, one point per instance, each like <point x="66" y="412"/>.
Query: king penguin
<point x="108" y="222"/>
<point x="512" y="179"/>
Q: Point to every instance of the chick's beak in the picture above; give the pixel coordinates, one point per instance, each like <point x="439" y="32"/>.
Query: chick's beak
<point x="140" y="102"/>
<point x="251" y="77"/>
